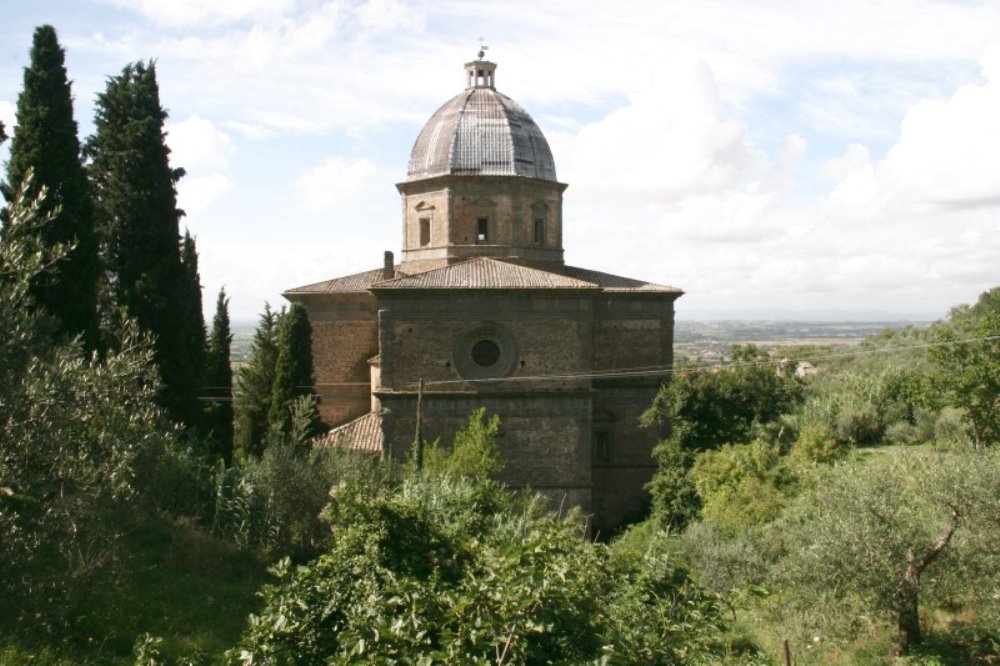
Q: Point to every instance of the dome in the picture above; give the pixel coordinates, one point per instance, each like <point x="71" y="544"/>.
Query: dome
<point x="481" y="132"/>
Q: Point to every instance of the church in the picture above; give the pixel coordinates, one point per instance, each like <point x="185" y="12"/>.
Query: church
<point x="482" y="311"/>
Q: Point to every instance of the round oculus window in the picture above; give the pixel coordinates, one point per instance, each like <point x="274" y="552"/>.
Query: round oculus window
<point x="484" y="350"/>
<point x="486" y="353"/>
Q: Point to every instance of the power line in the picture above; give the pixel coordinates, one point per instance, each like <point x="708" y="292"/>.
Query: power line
<point x="665" y="370"/>
<point x="670" y="370"/>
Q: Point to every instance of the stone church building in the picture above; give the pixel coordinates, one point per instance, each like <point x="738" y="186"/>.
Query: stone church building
<point x="482" y="309"/>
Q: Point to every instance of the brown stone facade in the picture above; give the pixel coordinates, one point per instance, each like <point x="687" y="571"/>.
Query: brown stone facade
<point x="442" y="219"/>
<point x="571" y="435"/>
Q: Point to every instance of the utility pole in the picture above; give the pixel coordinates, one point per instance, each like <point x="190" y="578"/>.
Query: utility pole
<point x="418" y="439"/>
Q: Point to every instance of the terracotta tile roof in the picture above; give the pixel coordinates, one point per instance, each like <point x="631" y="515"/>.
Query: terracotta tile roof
<point x="609" y="282"/>
<point x="362" y="434"/>
<point x="486" y="273"/>
<point x="357" y="283"/>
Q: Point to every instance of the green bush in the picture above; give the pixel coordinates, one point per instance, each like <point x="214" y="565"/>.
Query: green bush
<point x="71" y="426"/>
<point x="951" y="430"/>
<point x="448" y="570"/>
<point x="474" y="452"/>
<point x="740" y="485"/>
<point x="274" y="504"/>
<point x="817" y="444"/>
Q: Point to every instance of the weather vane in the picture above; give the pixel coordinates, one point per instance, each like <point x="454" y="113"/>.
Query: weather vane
<point x="483" y="48"/>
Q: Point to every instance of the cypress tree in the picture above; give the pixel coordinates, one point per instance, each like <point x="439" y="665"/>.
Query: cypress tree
<point x="137" y="221"/>
<point x="46" y="142"/>
<point x="293" y="371"/>
<point x="192" y="324"/>
<point x="255" y="385"/>
<point x="219" y="380"/>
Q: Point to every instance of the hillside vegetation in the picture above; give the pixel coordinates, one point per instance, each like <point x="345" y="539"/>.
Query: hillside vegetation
<point x="853" y="512"/>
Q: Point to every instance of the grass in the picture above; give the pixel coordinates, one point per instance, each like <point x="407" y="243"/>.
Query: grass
<point x="175" y="582"/>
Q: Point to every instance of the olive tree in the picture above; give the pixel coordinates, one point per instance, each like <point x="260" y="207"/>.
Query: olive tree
<point x="70" y="426"/>
<point x="886" y="533"/>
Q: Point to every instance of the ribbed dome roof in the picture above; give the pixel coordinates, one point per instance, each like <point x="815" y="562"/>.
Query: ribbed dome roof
<point x="481" y="132"/>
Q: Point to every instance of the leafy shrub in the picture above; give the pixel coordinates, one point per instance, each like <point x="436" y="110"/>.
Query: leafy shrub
<point x="474" y="452"/>
<point x="740" y="485"/>
<point x="675" y="499"/>
<point x="817" y="444"/>
<point x="951" y="430"/>
<point x="457" y="570"/>
<point x="274" y="503"/>
<point x="859" y="425"/>
<point x="655" y="613"/>
<point x="174" y="479"/>
<point x="71" y="426"/>
<point x="903" y="433"/>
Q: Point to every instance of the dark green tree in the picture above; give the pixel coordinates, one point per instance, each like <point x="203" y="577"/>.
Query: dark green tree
<point x="255" y="385"/>
<point x="192" y="323"/>
<point x="293" y="370"/>
<point x="968" y="356"/>
<point x="137" y="220"/>
<point x="219" y="380"/>
<point x="46" y="142"/>
<point x="706" y="410"/>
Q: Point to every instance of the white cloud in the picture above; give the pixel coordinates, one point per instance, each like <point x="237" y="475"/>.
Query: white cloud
<point x="947" y="150"/>
<point x="387" y="15"/>
<point x="196" y="143"/>
<point x="945" y="156"/>
<point x="202" y="12"/>
<point x="196" y="193"/>
<point x="204" y="152"/>
<point x="250" y="130"/>
<point x="335" y="183"/>
<point x="658" y="117"/>
<point x="793" y="149"/>
<point x="671" y="140"/>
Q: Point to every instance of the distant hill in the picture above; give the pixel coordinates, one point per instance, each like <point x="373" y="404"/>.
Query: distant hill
<point x="781" y="315"/>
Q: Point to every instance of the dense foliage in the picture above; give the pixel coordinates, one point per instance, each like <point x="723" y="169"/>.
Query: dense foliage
<point x="137" y="220"/>
<point x="293" y="371"/>
<point x="969" y="360"/>
<point x="864" y="507"/>
<point x="707" y="410"/>
<point x="871" y="540"/>
<point x="70" y="428"/>
<point x="255" y="386"/>
<point x="445" y="569"/>
<point x="218" y="384"/>
<point x="46" y="144"/>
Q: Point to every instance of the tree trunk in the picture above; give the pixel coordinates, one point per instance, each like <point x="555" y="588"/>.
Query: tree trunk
<point x="908" y="614"/>
<point x="908" y="593"/>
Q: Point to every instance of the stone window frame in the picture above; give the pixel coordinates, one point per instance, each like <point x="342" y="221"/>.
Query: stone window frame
<point x="467" y="339"/>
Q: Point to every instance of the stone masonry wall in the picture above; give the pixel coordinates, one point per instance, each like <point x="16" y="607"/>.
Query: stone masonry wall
<point x="344" y="338"/>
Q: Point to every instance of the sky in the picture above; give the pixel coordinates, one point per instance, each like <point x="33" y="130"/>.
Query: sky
<point x="771" y="158"/>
